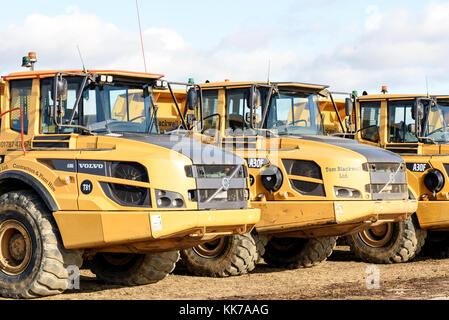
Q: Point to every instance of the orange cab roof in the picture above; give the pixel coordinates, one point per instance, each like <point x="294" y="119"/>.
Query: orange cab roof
<point x="391" y="96"/>
<point x="51" y="73"/>
<point x="317" y="87"/>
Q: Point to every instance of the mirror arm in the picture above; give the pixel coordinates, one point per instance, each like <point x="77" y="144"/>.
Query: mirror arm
<point x="78" y="99"/>
<point x="336" y="111"/>
<point x="55" y="100"/>
<point x="265" y="110"/>
<point x="201" y="106"/>
<point x="366" y="128"/>
<point x="177" y="106"/>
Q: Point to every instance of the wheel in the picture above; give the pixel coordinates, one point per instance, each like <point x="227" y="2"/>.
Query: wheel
<point x="389" y="243"/>
<point x="437" y="245"/>
<point x="224" y="257"/>
<point x="33" y="262"/>
<point x="129" y="269"/>
<point x="292" y="253"/>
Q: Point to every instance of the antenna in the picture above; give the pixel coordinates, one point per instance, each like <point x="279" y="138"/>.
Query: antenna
<point x="81" y="57"/>
<point x="427" y="86"/>
<point x="141" y="38"/>
<point x="269" y="70"/>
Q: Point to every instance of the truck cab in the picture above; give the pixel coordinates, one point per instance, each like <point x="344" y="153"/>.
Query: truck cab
<point x="92" y="181"/>
<point x="310" y="187"/>
<point x="413" y="126"/>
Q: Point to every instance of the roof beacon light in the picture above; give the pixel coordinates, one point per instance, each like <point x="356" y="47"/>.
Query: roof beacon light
<point x="32" y="56"/>
<point x="384" y="89"/>
<point x="29" y="61"/>
<point x="191" y="81"/>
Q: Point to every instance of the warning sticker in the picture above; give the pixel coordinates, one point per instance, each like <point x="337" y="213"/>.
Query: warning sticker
<point x="156" y="223"/>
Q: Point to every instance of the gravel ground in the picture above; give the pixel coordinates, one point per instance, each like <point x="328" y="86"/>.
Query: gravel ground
<point x="343" y="276"/>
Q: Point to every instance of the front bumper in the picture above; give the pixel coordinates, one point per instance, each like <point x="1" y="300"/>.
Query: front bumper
<point x="328" y="218"/>
<point x="433" y="215"/>
<point x="84" y="230"/>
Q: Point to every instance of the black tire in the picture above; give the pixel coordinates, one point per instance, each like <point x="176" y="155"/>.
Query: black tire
<point x="261" y="243"/>
<point x="24" y="217"/>
<point x="437" y="245"/>
<point x="403" y="242"/>
<point x="228" y="256"/>
<point x="129" y="269"/>
<point x="293" y="253"/>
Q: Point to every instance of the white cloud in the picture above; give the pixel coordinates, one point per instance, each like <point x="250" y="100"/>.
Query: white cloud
<point x="103" y="45"/>
<point x="374" y="18"/>
<point x="398" y="48"/>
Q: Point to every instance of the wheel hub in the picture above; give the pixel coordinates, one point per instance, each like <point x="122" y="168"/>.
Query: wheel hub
<point x="211" y="249"/>
<point x="378" y="236"/>
<point x="15" y="247"/>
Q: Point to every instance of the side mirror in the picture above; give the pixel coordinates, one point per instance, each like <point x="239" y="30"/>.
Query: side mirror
<point x="418" y="111"/>
<point x="192" y="98"/>
<point x="60" y="87"/>
<point x="349" y="107"/>
<point x="190" y="119"/>
<point x="254" y="98"/>
<point x="146" y="92"/>
<point x="256" y="118"/>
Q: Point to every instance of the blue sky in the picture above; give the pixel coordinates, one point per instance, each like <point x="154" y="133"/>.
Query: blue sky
<point x="347" y="44"/>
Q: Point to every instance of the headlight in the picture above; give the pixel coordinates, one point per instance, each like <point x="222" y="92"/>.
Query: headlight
<point x="347" y="193"/>
<point x="169" y="200"/>
<point x="272" y="178"/>
<point x="434" y="180"/>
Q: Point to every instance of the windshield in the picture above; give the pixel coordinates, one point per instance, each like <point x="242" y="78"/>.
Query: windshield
<point x="117" y="109"/>
<point x="294" y="113"/>
<point x="113" y="107"/>
<point x="438" y="121"/>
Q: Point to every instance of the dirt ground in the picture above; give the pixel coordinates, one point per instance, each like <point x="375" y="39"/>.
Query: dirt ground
<point x="343" y="276"/>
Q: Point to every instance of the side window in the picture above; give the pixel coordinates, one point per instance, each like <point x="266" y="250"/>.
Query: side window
<point x="370" y="119"/>
<point x="210" y="107"/>
<point x="399" y="120"/>
<point x="237" y="111"/>
<point x="47" y="125"/>
<point x="20" y="98"/>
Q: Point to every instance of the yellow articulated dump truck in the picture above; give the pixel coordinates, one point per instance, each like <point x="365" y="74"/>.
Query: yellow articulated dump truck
<point x="416" y="128"/>
<point x="310" y="188"/>
<point x="82" y="178"/>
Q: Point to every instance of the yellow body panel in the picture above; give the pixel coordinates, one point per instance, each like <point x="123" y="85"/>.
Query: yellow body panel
<point x="100" y="229"/>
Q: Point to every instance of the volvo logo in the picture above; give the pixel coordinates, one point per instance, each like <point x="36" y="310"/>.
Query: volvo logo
<point x="91" y="166"/>
<point x="226" y="183"/>
<point x="392" y="176"/>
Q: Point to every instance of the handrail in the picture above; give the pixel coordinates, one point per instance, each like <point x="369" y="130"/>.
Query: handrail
<point x="21" y="125"/>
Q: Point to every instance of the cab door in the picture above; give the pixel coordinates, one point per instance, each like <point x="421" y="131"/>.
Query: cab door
<point x="370" y="122"/>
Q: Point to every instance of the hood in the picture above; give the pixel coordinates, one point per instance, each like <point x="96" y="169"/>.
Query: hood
<point x="371" y="153"/>
<point x="199" y="153"/>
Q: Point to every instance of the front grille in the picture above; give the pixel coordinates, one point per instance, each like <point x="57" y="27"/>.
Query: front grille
<point x="388" y="181"/>
<point x="215" y="171"/>
<point x="229" y="195"/>
<point x="219" y="186"/>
